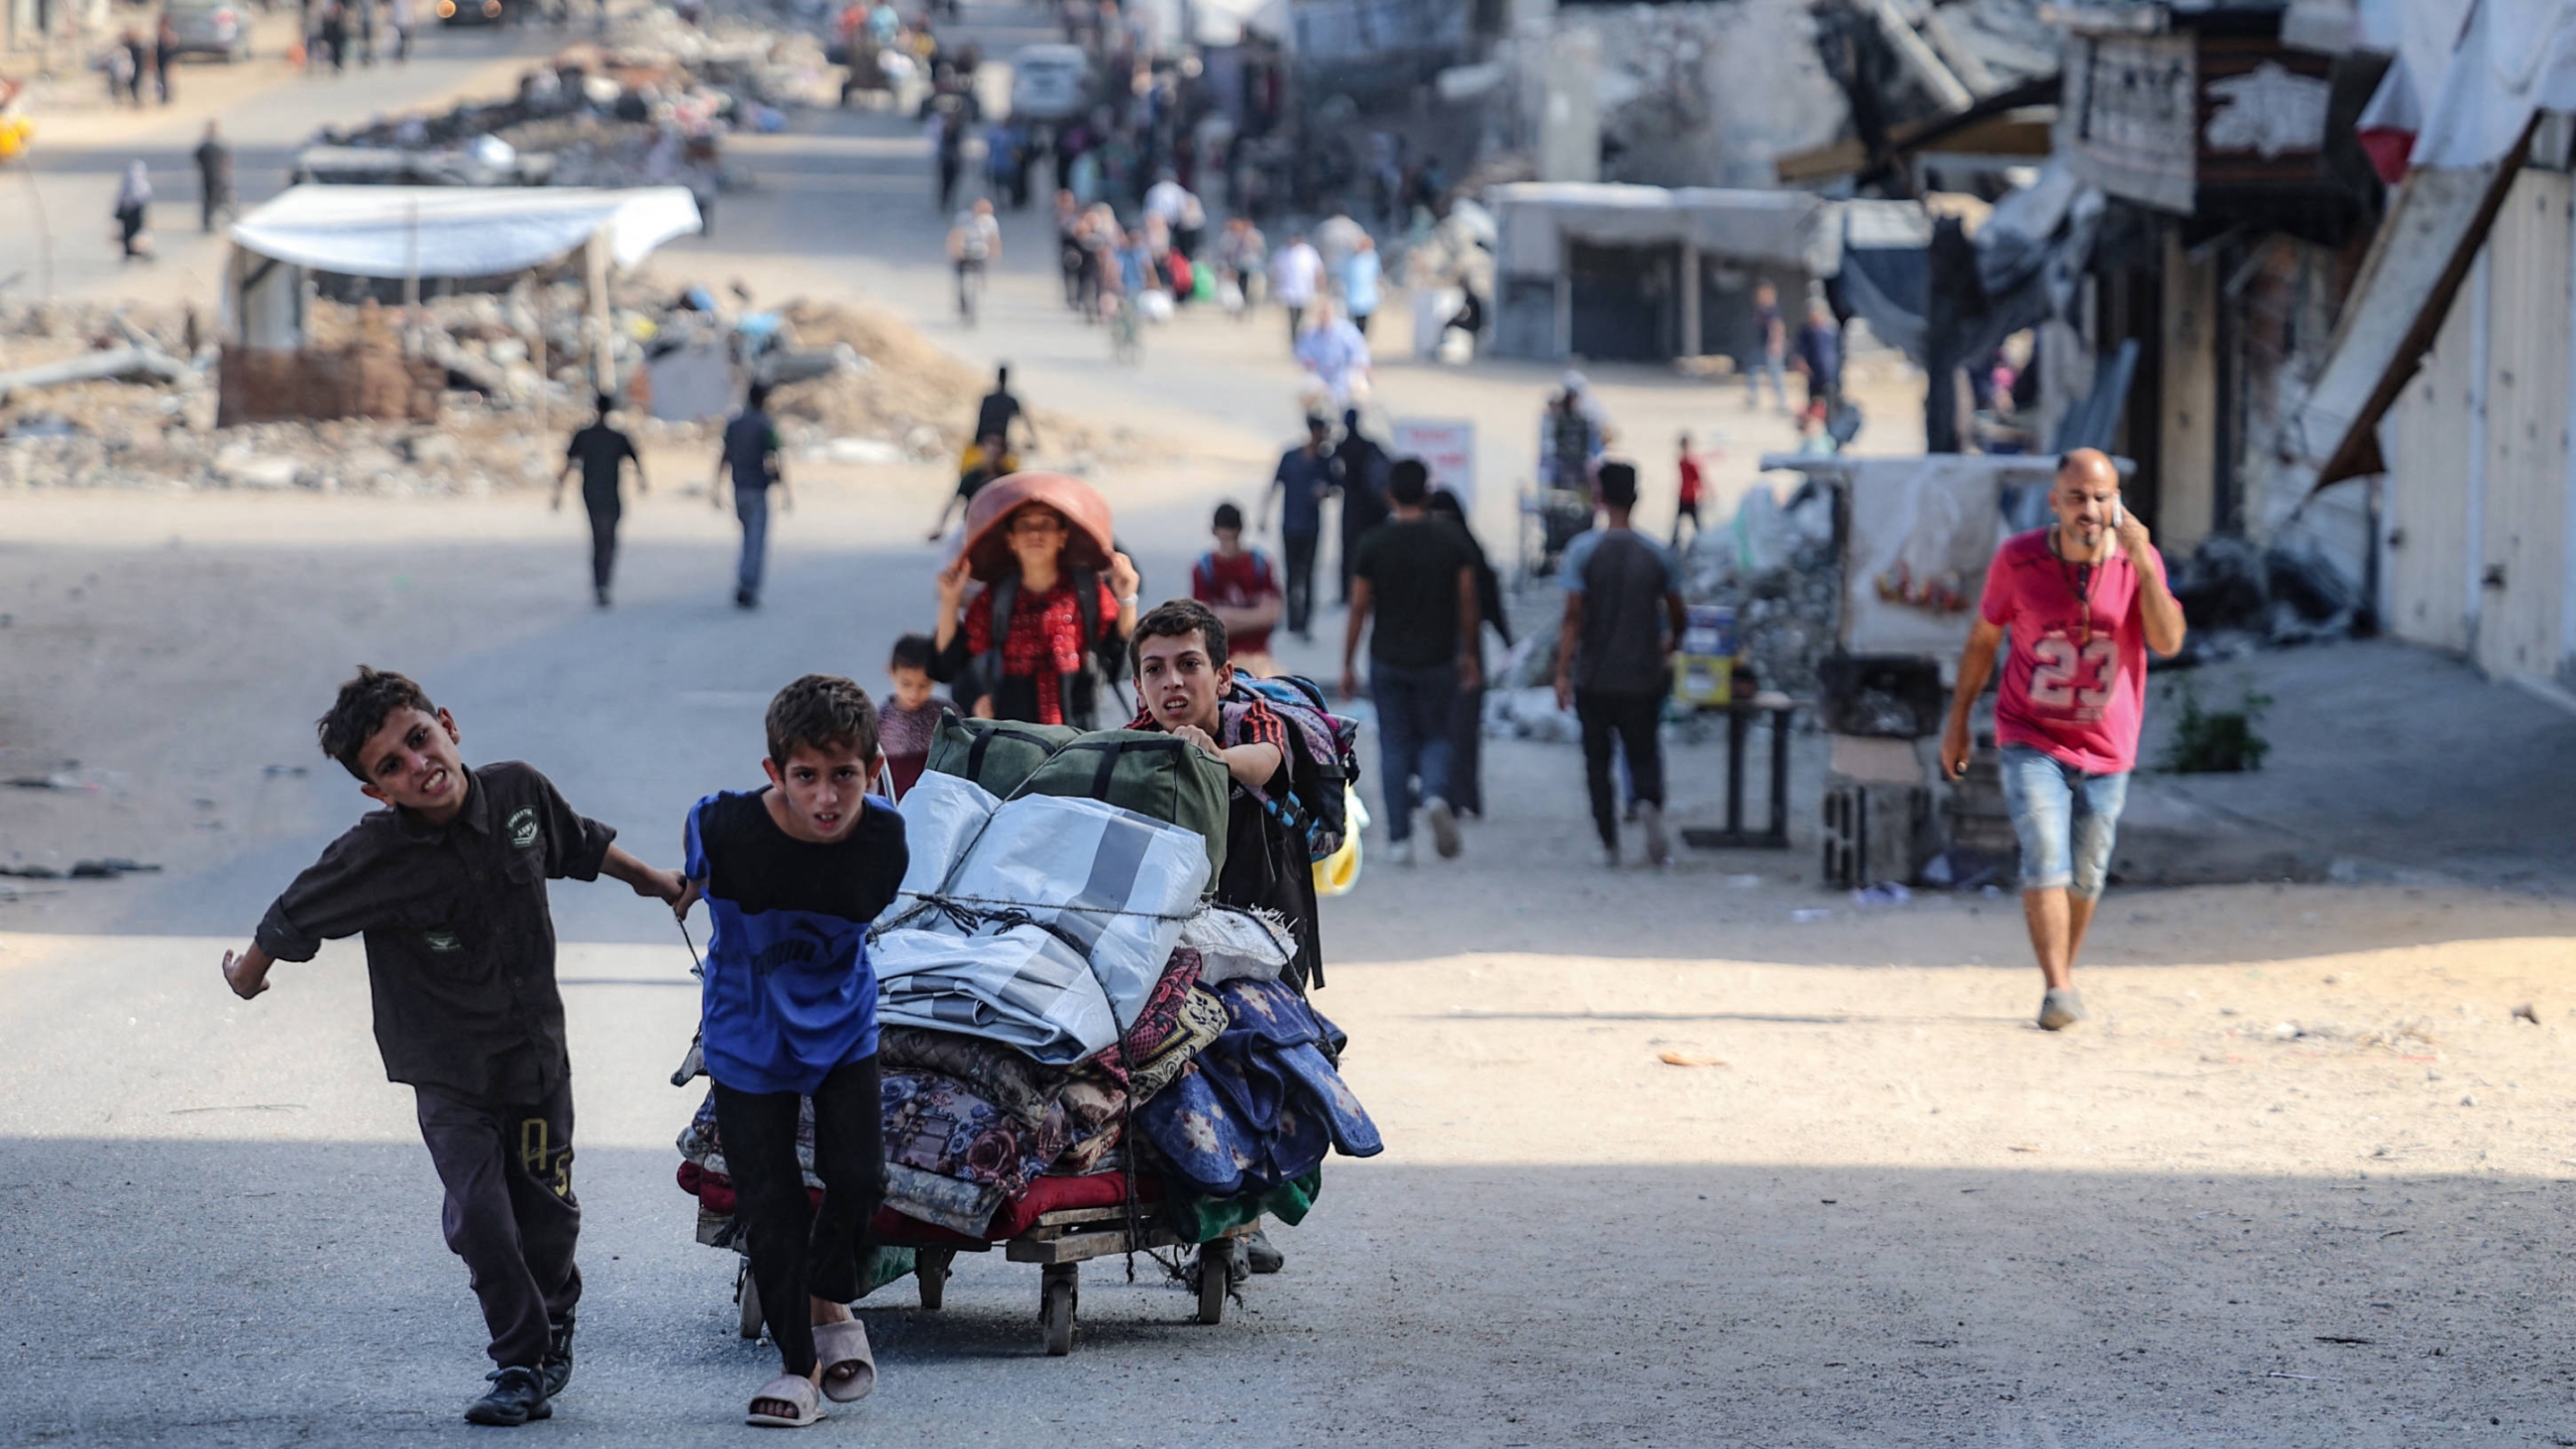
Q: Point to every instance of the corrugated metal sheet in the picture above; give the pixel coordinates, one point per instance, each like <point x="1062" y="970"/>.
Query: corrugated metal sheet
<point x="2429" y="433"/>
<point x="2520" y="558"/>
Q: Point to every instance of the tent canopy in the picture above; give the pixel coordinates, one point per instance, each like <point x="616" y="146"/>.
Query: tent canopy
<point x="459" y="231"/>
<point x="1536" y="218"/>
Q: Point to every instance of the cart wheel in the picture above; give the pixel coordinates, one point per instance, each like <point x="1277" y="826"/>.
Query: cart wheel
<point x="932" y="1266"/>
<point x="1216" y="1275"/>
<point x="1056" y="1298"/>
<point x="747" y="1293"/>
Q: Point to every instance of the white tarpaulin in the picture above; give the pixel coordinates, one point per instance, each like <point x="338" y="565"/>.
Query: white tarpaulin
<point x="2515" y="57"/>
<point x="1922" y="531"/>
<point x="459" y="231"/>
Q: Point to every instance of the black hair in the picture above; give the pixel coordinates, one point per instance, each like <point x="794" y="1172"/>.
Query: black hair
<point x="1618" y="483"/>
<point x="822" y="711"/>
<point x="607" y="404"/>
<point x="1318" y="423"/>
<point x="1228" y="516"/>
<point x="363" y="706"/>
<point x="1408" y="482"/>
<point x="1002" y="375"/>
<point x="912" y="651"/>
<point x="758" y="397"/>
<point x="1446" y="504"/>
<point x="1178" y="619"/>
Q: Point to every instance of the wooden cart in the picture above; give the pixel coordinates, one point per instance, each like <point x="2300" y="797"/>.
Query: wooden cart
<point x="1058" y="1242"/>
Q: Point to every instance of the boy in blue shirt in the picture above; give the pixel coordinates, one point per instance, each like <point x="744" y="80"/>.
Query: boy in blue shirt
<point x="792" y="875"/>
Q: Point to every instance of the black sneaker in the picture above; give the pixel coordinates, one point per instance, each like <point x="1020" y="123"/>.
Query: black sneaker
<point x="556" y="1371"/>
<point x="745" y="599"/>
<point x="518" y="1395"/>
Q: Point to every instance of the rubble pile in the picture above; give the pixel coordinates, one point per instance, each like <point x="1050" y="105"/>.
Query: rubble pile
<point x="647" y="106"/>
<point x="2239" y="596"/>
<point x="853" y="386"/>
<point x="1777" y="566"/>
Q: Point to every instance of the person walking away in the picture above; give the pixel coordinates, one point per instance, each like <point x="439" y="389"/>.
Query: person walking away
<point x="133" y="208"/>
<point x="1294" y="276"/>
<point x="793" y="874"/>
<point x="138" y="57"/>
<point x="2082" y="601"/>
<point x="910" y="720"/>
<point x="1623" y="618"/>
<point x="1069" y="246"/>
<point x="1820" y="358"/>
<point x="1335" y="239"/>
<point x="601" y="451"/>
<point x="973" y="241"/>
<point x="1768" y="352"/>
<point x="1360" y="285"/>
<point x="1241" y="589"/>
<point x="1240" y="266"/>
<point x="447" y="884"/>
<point x="1304" y="476"/>
<point x="1417" y="576"/>
<point x="400" y="13"/>
<point x="165" y="54"/>
<point x="335" y="35"/>
<point x="1467" y="720"/>
<point x="1051" y="654"/>
<point x="1360" y="465"/>
<point x="1686" y="501"/>
<point x="750" y="453"/>
<point x="948" y="144"/>
<point x="991" y="455"/>
<point x="214" y="177"/>
<point x="1335" y="353"/>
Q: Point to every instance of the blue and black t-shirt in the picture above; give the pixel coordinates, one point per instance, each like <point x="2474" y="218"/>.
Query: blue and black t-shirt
<point x="789" y="993"/>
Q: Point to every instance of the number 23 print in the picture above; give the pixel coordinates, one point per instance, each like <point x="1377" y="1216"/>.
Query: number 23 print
<point x="2077" y="681"/>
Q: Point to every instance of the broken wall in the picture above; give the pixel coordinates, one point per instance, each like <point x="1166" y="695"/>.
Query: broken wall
<point x="258" y="385"/>
<point x="1705" y="94"/>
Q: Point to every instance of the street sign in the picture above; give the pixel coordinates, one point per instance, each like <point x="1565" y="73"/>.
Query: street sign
<point x="1446" y="446"/>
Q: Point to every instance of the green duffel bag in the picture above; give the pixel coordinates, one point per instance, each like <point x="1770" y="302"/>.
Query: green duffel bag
<point x="997" y="754"/>
<point x="1151" y="773"/>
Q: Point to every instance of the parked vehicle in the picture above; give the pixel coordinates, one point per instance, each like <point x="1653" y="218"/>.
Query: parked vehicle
<point x="1050" y="83"/>
<point x="211" y="27"/>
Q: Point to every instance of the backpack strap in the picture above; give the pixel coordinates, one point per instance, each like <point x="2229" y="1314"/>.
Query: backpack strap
<point x="975" y="752"/>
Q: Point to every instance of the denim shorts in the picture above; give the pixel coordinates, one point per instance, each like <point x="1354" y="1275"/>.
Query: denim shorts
<point x="2064" y="819"/>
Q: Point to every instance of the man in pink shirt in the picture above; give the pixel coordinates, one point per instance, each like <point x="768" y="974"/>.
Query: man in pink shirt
<point x="2083" y="600"/>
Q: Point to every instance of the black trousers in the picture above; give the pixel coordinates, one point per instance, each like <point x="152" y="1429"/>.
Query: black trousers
<point x="603" y="542"/>
<point x="1630" y="719"/>
<point x="510" y="1212"/>
<point x="1300" y="549"/>
<point x="1296" y="323"/>
<point x="799" y="1251"/>
<point x="1467" y="752"/>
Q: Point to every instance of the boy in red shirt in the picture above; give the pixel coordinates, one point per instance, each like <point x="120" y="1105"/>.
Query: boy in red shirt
<point x="1241" y="588"/>
<point x="1686" y="506"/>
<point x="2084" y="600"/>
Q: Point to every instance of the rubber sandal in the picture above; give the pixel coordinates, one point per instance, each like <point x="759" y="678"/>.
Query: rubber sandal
<point x="849" y="1365"/>
<point x="794" y="1390"/>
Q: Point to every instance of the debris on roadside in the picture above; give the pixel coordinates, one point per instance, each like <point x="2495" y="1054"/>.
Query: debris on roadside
<point x="454" y="418"/>
<point x="1776" y="565"/>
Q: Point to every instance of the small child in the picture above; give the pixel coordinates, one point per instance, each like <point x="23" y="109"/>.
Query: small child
<point x="910" y="721"/>
<point x="448" y="886"/>
<point x="1686" y="502"/>
<point x="792" y="875"/>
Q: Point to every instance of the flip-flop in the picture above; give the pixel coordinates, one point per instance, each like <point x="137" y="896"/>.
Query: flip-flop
<point x="794" y="1390"/>
<point x="849" y="1365"/>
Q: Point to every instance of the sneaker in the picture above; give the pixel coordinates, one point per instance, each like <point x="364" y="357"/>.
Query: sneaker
<point x="1400" y="851"/>
<point x="1260" y="1255"/>
<point x="556" y="1370"/>
<point x="1610" y="854"/>
<point x="1659" y="850"/>
<point x="745" y="599"/>
<point x="602" y="595"/>
<point x="518" y="1395"/>
<point x="2060" y="1008"/>
<point x="1444" y="828"/>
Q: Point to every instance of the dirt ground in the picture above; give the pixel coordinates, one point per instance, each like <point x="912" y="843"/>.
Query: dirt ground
<point x="2298" y="1182"/>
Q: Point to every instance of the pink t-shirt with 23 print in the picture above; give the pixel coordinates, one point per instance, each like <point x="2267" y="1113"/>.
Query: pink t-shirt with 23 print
<point x="2075" y="676"/>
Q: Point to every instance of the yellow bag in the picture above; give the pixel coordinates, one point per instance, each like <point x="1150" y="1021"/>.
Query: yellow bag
<point x="1336" y="873"/>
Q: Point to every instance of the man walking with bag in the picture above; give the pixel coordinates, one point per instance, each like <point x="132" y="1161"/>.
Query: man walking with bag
<point x="2083" y="600"/>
